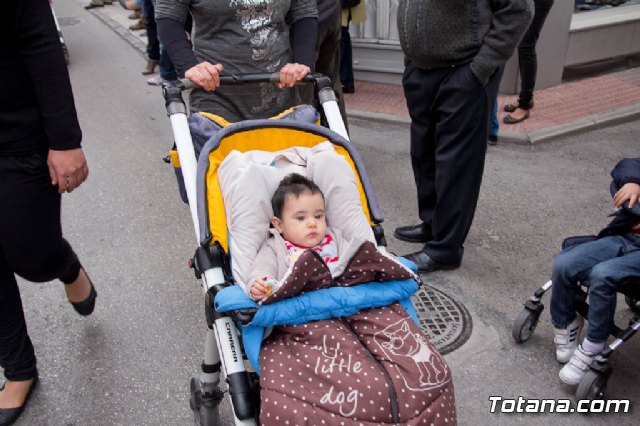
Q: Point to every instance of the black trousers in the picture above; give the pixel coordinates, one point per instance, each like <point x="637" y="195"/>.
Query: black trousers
<point x="449" y="111"/>
<point x="527" y="57"/>
<point x="346" y="59"/>
<point x="31" y="245"/>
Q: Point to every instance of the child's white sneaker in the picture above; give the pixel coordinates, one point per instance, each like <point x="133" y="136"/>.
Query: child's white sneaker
<point x="573" y="371"/>
<point x="566" y="339"/>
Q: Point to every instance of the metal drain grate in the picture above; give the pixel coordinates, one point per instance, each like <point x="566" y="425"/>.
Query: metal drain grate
<point x="445" y="320"/>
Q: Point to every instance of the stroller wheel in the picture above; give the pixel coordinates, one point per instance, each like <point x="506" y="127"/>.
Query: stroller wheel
<point x="592" y="386"/>
<point x="205" y="405"/>
<point x="634" y="304"/>
<point x="524" y="325"/>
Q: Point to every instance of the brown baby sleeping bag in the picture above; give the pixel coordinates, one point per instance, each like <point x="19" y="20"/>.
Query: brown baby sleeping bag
<point x="372" y="368"/>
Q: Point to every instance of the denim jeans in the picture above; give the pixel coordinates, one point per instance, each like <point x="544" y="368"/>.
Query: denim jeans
<point x="155" y="49"/>
<point x="494" y="125"/>
<point x="607" y="265"/>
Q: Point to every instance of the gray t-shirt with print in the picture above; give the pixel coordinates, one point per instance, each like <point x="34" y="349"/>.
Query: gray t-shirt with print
<point x="245" y="36"/>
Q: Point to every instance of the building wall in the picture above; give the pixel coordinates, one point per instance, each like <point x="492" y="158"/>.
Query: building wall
<point x="568" y="39"/>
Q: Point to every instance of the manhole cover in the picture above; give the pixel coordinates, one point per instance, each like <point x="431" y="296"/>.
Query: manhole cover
<point x="445" y="320"/>
<point x="65" y="21"/>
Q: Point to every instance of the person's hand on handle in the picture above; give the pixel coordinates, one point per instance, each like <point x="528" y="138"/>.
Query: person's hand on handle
<point x="205" y="75"/>
<point x="290" y="74"/>
<point x="629" y="192"/>
<point x="68" y="169"/>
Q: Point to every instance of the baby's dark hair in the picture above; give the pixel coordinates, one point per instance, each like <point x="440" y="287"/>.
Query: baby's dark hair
<point x="294" y="184"/>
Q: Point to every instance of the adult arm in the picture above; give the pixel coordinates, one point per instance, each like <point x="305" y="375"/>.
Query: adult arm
<point x="303" y="45"/>
<point x="510" y="21"/>
<point x="304" y="34"/>
<point x="173" y="36"/>
<point x="44" y="60"/>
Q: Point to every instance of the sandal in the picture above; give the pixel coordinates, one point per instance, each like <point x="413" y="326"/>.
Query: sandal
<point x="513" y="107"/>
<point x="508" y="119"/>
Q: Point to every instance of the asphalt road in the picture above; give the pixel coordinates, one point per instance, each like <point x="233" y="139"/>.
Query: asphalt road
<point x="131" y="361"/>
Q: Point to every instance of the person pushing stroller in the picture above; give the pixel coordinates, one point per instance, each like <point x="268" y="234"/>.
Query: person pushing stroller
<point x="606" y="265"/>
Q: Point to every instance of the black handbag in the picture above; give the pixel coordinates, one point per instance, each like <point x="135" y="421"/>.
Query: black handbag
<point x="350" y="3"/>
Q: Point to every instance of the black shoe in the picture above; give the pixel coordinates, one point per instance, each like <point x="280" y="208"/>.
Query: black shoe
<point x="9" y="415"/>
<point x="513" y="107"/>
<point x="348" y="89"/>
<point x="492" y="140"/>
<point x="414" y="233"/>
<point x="426" y="264"/>
<point x="93" y="5"/>
<point x="86" y="306"/>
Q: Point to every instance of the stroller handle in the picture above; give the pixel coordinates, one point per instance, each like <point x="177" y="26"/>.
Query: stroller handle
<point x="251" y="78"/>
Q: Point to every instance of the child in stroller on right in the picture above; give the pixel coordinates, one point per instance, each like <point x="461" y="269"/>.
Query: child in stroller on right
<point x="606" y="265"/>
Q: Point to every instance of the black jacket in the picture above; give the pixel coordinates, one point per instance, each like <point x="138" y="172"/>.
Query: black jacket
<point x="627" y="170"/>
<point x="37" y="111"/>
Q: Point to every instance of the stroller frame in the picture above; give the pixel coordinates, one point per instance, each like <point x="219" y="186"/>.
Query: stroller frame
<point x="593" y="384"/>
<point x="222" y="346"/>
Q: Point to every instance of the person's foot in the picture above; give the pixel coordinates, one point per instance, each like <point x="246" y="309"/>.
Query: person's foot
<point x="566" y="339"/>
<point x="573" y="371"/>
<point x="348" y="89"/>
<point x="426" y="264"/>
<point x="513" y="107"/>
<point x="492" y="140"/>
<point x="140" y="25"/>
<point x="413" y="233"/>
<point x="13" y="398"/>
<point x="151" y="67"/>
<point x="517" y="116"/>
<point x="135" y="15"/>
<point x="156" y="80"/>
<point x="81" y="294"/>
<point x="94" y="3"/>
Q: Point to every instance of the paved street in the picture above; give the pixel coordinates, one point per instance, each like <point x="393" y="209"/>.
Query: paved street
<point x="131" y="361"/>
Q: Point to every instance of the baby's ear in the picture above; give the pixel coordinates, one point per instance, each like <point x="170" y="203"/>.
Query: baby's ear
<point x="277" y="223"/>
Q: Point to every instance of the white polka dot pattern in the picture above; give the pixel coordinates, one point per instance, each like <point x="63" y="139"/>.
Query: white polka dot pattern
<point x="356" y="370"/>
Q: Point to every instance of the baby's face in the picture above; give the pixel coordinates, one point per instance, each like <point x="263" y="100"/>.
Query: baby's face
<point x="303" y="219"/>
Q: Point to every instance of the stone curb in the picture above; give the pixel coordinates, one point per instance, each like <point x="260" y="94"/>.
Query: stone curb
<point x="120" y="30"/>
<point x="581" y="125"/>
<point x="591" y="122"/>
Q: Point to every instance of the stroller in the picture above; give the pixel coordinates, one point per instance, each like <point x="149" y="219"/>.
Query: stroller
<point x="593" y="384"/>
<point x="394" y="374"/>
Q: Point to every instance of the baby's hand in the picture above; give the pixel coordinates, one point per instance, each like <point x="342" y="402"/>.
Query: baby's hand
<point x="629" y="192"/>
<point x="260" y="289"/>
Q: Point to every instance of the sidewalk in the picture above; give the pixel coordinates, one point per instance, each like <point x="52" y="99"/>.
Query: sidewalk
<point x="568" y="108"/>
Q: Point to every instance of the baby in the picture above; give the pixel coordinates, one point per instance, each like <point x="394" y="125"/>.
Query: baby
<point x="300" y="224"/>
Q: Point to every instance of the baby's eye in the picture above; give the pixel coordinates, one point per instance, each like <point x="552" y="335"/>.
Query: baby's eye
<point x="300" y="218"/>
<point x="319" y="216"/>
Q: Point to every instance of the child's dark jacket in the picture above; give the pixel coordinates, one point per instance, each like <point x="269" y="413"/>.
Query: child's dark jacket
<point x="626" y="171"/>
